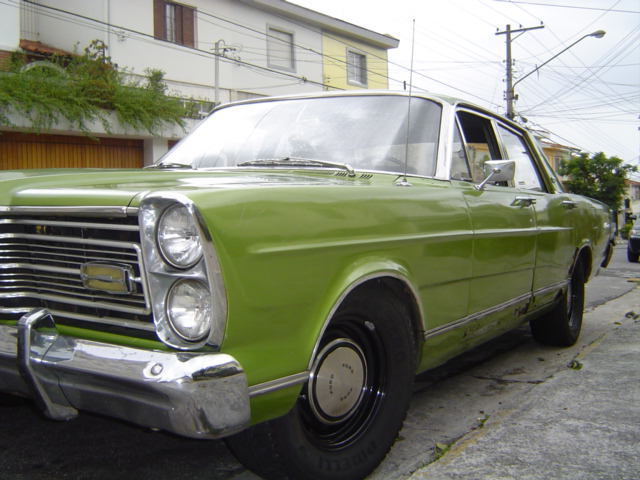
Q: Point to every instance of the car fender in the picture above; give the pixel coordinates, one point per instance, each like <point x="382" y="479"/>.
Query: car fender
<point x="360" y="272"/>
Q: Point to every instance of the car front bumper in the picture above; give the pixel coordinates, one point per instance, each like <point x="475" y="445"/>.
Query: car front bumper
<point x="195" y="395"/>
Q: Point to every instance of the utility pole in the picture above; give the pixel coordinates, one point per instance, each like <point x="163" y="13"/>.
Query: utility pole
<point x="220" y="50"/>
<point x="510" y="96"/>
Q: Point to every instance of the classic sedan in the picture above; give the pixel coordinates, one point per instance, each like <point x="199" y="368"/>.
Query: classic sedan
<point x="279" y="277"/>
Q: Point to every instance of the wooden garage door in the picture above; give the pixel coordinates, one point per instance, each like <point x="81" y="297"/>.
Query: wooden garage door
<point x="19" y="150"/>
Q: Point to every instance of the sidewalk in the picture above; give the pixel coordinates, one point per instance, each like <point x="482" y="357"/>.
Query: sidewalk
<point x="584" y="423"/>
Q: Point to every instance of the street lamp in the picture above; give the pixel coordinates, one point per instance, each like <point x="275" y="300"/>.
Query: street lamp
<point x="511" y="96"/>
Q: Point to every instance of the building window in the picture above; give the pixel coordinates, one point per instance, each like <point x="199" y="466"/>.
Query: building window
<point x="356" y="68"/>
<point x="280" y="49"/>
<point x="174" y="22"/>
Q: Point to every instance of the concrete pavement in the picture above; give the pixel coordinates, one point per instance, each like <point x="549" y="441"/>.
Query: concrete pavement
<point x="581" y="423"/>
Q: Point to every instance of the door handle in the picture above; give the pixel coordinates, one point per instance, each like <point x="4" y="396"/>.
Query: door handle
<point x="568" y="204"/>
<point x="522" y="201"/>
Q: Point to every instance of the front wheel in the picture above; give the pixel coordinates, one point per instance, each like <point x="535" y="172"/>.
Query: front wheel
<point x="351" y="410"/>
<point x="561" y="327"/>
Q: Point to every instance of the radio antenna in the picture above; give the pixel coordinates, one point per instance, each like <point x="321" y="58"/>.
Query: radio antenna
<point x="404" y="182"/>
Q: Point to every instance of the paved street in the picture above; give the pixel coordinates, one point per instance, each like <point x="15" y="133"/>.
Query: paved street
<point x="497" y="412"/>
<point x="580" y="424"/>
<point x="477" y="393"/>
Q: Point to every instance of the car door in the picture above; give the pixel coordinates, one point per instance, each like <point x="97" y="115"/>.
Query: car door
<point x="555" y="215"/>
<point x="504" y="230"/>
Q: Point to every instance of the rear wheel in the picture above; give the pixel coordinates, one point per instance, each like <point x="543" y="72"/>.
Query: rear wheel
<point x="351" y="410"/>
<point x="561" y="327"/>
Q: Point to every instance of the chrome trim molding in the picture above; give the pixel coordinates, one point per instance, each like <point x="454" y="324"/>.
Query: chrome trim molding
<point x="81" y="241"/>
<point x="94" y="211"/>
<point x="78" y="302"/>
<point x="195" y="395"/>
<point x="116" y="322"/>
<point x="506" y="232"/>
<point x="550" y="288"/>
<point x="495" y="309"/>
<point x="353" y="286"/>
<point x="55" y="223"/>
<point x="470" y="318"/>
<point x="278" y="384"/>
<point x="421" y="238"/>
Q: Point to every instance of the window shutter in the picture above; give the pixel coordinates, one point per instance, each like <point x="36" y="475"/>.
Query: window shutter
<point x="179" y="9"/>
<point x="188" y="26"/>
<point x="159" y="20"/>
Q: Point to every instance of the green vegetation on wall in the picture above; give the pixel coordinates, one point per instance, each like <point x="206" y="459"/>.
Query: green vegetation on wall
<point x="86" y="88"/>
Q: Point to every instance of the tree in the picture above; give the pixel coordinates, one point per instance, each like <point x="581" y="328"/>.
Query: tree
<point x="598" y="176"/>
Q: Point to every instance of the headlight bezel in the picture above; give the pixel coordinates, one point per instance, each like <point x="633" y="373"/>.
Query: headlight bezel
<point x="160" y="275"/>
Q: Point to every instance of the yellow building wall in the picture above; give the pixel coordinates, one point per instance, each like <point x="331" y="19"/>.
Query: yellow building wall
<point x="555" y="156"/>
<point x="334" y="49"/>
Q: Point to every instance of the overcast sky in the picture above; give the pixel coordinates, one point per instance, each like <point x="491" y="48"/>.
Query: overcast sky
<point x="589" y="97"/>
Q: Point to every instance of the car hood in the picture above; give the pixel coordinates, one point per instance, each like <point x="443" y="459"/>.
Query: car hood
<point x="85" y="187"/>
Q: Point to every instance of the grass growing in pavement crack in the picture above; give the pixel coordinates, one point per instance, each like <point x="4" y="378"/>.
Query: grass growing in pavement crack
<point x="575" y="365"/>
<point x="441" y="449"/>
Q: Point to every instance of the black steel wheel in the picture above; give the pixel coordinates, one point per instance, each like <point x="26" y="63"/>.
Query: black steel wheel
<point x="351" y="410"/>
<point x="561" y="327"/>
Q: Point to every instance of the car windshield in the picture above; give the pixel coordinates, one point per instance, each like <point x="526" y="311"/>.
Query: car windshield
<point x="364" y="132"/>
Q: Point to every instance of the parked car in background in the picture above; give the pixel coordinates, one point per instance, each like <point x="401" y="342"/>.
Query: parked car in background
<point x="633" y="244"/>
<point x="280" y="276"/>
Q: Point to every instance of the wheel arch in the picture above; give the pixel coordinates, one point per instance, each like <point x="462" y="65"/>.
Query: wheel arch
<point x="379" y="282"/>
<point x="583" y="258"/>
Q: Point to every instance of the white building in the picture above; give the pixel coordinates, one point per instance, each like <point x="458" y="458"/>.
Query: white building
<point x="264" y="47"/>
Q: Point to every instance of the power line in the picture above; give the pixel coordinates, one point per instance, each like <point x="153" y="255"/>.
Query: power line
<point x="566" y="6"/>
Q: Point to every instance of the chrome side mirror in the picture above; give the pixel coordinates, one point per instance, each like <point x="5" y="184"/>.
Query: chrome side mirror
<point x="497" y="171"/>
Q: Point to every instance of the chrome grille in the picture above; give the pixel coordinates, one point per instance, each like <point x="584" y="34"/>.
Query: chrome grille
<point x="41" y="259"/>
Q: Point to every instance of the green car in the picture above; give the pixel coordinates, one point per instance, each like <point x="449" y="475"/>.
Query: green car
<point x="281" y="275"/>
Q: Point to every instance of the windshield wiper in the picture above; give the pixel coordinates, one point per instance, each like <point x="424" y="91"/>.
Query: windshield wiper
<point x="298" y="162"/>
<point x="171" y="165"/>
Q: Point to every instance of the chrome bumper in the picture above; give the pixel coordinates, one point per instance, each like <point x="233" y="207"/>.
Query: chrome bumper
<point x="195" y="395"/>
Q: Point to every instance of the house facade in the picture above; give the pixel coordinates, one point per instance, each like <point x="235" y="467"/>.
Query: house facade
<point x="557" y="153"/>
<point x="211" y="51"/>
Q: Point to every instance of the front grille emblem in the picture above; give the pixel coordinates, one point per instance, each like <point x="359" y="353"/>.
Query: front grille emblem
<point x="108" y="277"/>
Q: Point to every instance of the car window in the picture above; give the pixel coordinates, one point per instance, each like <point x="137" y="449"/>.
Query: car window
<point x="479" y="140"/>
<point x="459" y="163"/>
<point x="546" y="165"/>
<point x="366" y="132"/>
<point x="526" y="175"/>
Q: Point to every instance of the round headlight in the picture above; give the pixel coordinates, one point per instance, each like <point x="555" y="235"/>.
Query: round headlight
<point x="189" y="309"/>
<point x="178" y="237"/>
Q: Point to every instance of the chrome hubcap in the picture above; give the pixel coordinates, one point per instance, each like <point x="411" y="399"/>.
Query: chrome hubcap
<point x="337" y="381"/>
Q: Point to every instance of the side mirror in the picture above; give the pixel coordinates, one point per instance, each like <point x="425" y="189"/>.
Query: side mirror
<point x="497" y="171"/>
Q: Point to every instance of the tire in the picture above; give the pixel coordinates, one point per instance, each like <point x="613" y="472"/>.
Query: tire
<point x="342" y="430"/>
<point x="631" y="256"/>
<point x="561" y="327"/>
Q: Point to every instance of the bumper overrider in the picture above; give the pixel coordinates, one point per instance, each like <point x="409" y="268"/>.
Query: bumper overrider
<point x="195" y="395"/>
